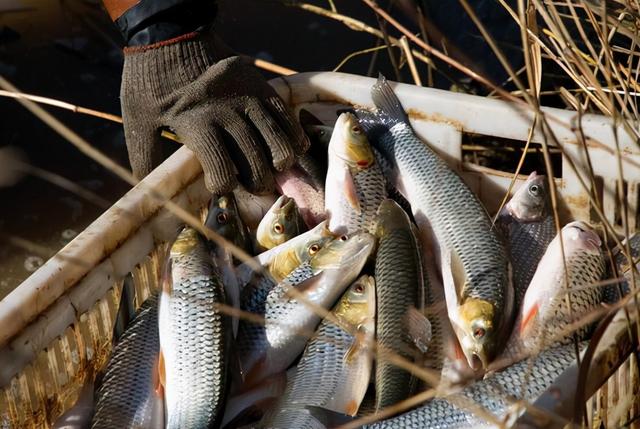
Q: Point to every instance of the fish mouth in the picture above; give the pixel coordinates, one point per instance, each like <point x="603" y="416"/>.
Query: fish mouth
<point x="283" y="203"/>
<point x="477" y="360"/>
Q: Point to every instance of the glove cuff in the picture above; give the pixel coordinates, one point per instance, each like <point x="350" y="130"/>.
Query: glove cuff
<point x="165" y="66"/>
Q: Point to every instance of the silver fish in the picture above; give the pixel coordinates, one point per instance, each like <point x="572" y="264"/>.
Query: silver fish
<point x="355" y="186"/>
<point x="194" y="335"/>
<point x="398" y="272"/>
<point x="290" y="322"/>
<point x="128" y="396"/>
<point x="544" y="317"/>
<point x="525" y="380"/>
<point x="472" y="258"/>
<point x="334" y="370"/>
<point x="527" y="224"/>
<point x="282" y="259"/>
<point x="614" y="292"/>
<point x="224" y="218"/>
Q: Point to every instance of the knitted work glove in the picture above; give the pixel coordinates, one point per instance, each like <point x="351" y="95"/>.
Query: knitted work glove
<point x="224" y="111"/>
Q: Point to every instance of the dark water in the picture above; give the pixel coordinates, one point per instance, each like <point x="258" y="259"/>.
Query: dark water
<point x="69" y="50"/>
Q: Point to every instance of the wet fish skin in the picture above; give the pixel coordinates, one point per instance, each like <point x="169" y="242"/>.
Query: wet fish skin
<point x="289" y="322"/>
<point x="544" y="317"/>
<point x="334" y="370"/>
<point x="517" y="381"/>
<point x="355" y="186"/>
<point x="280" y="224"/>
<point x="224" y="218"/>
<point x="127" y="397"/>
<point x="398" y="272"/>
<point x="614" y="292"/>
<point x="528" y="226"/>
<point x="253" y="343"/>
<point x="473" y="260"/>
<point x="195" y="335"/>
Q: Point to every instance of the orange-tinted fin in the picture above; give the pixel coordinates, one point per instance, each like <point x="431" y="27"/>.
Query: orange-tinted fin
<point x="160" y="383"/>
<point x="255" y="374"/>
<point x="351" y="408"/>
<point x="350" y="192"/>
<point x="529" y="317"/>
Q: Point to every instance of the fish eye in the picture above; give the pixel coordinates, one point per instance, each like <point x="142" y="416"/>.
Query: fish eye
<point x="359" y="288"/>
<point x="222" y="218"/>
<point x="479" y="332"/>
<point x="356" y="129"/>
<point x="343" y="238"/>
<point x="313" y="249"/>
<point x="534" y="189"/>
<point x="278" y="228"/>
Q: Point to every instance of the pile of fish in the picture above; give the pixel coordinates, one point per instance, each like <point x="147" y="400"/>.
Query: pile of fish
<point x="378" y="275"/>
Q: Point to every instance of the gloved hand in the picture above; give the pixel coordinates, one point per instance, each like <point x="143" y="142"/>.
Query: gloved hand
<point x="221" y="109"/>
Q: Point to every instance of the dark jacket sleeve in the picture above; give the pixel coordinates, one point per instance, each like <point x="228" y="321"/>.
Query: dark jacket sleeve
<point x="145" y="22"/>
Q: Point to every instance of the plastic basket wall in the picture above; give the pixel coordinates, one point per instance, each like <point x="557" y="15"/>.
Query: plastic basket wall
<point x="58" y="325"/>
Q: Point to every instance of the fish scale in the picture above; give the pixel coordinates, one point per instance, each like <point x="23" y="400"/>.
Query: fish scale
<point x="125" y="398"/>
<point x="370" y="190"/>
<point x="289" y="322"/>
<point x="527" y="243"/>
<point x="334" y="370"/>
<point x="525" y="380"/>
<point x="194" y="336"/>
<point x="584" y="271"/>
<point x="252" y="339"/>
<point x="442" y="202"/>
<point x="398" y="285"/>
<point x="321" y="373"/>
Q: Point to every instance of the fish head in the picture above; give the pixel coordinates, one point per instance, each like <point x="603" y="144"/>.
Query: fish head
<point x="346" y="254"/>
<point x="224" y="219"/>
<point x="475" y="328"/>
<point x="350" y="144"/>
<point x="280" y="224"/>
<point x="356" y="309"/>
<point x="319" y="134"/>
<point x="579" y="236"/>
<point x="529" y="203"/>
<point x="300" y="251"/>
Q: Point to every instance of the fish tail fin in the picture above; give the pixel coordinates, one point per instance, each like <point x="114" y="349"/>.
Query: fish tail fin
<point x="372" y="124"/>
<point x="387" y="102"/>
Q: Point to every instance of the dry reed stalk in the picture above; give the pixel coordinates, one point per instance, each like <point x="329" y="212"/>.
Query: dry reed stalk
<point x="410" y="61"/>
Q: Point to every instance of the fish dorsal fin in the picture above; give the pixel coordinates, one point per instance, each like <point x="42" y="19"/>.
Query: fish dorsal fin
<point x="350" y="191"/>
<point x="454" y="278"/>
<point x="418" y="329"/>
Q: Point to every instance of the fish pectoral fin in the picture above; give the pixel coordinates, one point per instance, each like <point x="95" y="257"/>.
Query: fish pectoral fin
<point x="418" y="328"/>
<point x="302" y="288"/>
<point x="161" y="375"/>
<point x="328" y="418"/>
<point x="350" y="192"/>
<point x="454" y="279"/>
<point x="529" y="317"/>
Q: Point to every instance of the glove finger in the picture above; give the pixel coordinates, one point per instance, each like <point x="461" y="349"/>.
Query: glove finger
<point x="143" y="145"/>
<point x="208" y="145"/>
<point x="282" y="154"/>
<point x="296" y="136"/>
<point x="250" y="159"/>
